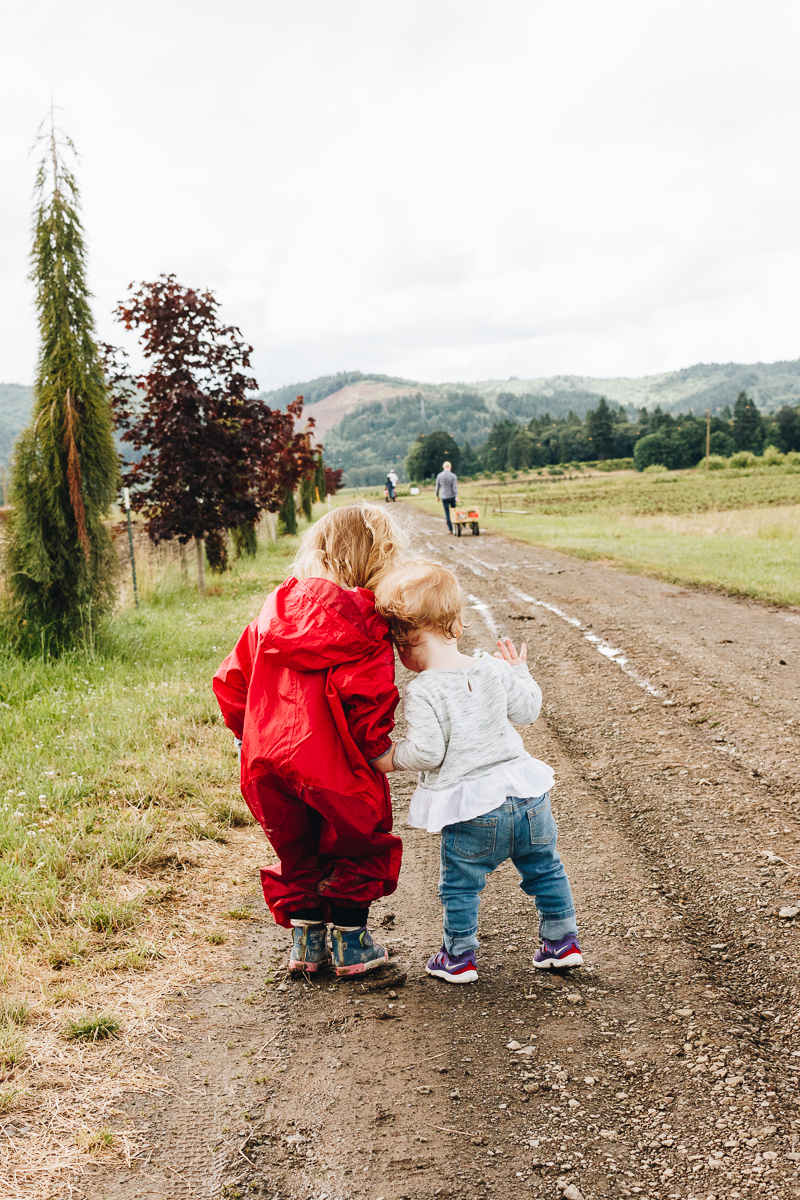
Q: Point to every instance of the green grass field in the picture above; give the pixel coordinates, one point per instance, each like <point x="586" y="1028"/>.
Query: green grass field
<point x="113" y="761"/>
<point x="735" y="530"/>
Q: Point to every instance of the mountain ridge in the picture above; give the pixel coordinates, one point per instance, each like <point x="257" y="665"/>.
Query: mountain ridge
<point x="345" y="398"/>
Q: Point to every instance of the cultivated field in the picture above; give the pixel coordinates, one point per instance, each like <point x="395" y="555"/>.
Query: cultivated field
<point x="734" y="530"/>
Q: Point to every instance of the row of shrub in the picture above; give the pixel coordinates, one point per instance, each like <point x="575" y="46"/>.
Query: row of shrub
<point x="743" y="459"/>
<point x="772" y="457"/>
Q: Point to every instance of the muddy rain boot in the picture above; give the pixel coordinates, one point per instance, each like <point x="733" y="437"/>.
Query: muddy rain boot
<point x="354" y="950"/>
<point x="310" y="948"/>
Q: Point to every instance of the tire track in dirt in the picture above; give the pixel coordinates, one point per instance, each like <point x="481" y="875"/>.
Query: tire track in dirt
<point x="665" y="1069"/>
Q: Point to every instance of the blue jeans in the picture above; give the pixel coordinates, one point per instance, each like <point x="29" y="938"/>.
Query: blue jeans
<point x="448" y="504"/>
<point x="523" y="830"/>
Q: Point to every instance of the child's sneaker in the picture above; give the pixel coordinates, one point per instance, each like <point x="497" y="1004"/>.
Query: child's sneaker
<point x="463" y="969"/>
<point x="355" y="952"/>
<point x="566" y="953"/>
<point x="309" y="948"/>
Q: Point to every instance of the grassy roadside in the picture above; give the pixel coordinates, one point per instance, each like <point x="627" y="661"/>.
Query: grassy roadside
<point x="111" y="764"/>
<point x="125" y="863"/>
<point x="738" y="531"/>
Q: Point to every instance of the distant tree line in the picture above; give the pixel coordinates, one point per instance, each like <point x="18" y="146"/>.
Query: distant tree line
<point x="377" y="436"/>
<point x="608" y="432"/>
<point x="517" y="431"/>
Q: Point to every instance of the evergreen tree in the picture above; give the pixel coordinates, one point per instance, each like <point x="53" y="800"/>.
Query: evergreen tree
<point x="287" y="514"/>
<point x="319" y="478"/>
<point x="415" y="459"/>
<point x="310" y="482"/>
<point x="788" y="428"/>
<point x="307" y="485"/>
<point x="494" y="453"/>
<point x="216" y="548"/>
<point x="521" y="450"/>
<point x="60" y="561"/>
<point x="469" y="463"/>
<point x="748" y="425"/>
<point x="245" y="540"/>
<point x="435" y="448"/>
<point x="600" y="426"/>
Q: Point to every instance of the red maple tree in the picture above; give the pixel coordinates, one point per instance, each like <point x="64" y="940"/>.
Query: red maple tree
<point x="211" y="455"/>
<point x="333" y="480"/>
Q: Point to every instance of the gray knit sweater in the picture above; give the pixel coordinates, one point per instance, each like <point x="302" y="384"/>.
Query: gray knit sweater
<point x="460" y="723"/>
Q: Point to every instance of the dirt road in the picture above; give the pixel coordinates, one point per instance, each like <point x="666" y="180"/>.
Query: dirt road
<point x="667" y="1068"/>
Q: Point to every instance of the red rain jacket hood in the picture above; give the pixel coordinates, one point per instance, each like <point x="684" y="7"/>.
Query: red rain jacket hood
<point x="309" y="687"/>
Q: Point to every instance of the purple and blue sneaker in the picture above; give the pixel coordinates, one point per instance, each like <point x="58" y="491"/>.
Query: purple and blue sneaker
<point x="463" y="969"/>
<point x="566" y="953"/>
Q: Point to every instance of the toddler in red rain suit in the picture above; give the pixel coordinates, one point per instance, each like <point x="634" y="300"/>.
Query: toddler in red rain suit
<point x="309" y="689"/>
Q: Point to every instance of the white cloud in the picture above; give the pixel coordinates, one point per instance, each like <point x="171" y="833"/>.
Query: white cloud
<point x="456" y="190"/>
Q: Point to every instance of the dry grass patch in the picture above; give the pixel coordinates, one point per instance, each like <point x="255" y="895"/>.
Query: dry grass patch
<point x="780" y="522"/>
<point x="82" y="1047"/>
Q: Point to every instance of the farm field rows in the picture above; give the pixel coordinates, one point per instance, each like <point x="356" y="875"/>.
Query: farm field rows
<point x="736" y="531"/>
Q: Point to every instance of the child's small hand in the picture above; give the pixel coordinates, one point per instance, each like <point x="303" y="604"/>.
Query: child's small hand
<point x="509" y="654"/>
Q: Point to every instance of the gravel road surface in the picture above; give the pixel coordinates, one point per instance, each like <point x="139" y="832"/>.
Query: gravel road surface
<point x="668" y="1067"/>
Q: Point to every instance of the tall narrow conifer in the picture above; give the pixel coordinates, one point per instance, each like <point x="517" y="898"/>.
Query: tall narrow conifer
<point x="59" y="558"/>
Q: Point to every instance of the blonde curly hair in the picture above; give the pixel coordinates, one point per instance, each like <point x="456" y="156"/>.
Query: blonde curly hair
<point x="420" y="595"/>
<point x="353" y="546"/>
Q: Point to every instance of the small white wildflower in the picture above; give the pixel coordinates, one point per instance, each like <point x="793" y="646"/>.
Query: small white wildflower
<point x="43" y="797"/>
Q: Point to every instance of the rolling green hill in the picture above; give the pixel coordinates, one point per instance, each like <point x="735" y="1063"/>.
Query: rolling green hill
<point x="365" y="433"/>
<point x="15" y="408"/>
<point x="367" y="422"/>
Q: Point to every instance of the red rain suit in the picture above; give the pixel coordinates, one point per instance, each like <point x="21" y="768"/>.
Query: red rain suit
<point x="309" y="688"/>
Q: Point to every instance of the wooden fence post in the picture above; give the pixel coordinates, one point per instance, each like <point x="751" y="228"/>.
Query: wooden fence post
<point x="126" y="496"/>
<point x="708" y="436"/>
<point x="200" y="547"/>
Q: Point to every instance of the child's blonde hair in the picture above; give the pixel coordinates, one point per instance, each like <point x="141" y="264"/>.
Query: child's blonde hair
<point x="420" y="595"/>
<point x="352" y="546"/>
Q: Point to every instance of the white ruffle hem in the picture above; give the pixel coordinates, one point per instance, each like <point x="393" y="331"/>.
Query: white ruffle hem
<point x="433" y="808"/>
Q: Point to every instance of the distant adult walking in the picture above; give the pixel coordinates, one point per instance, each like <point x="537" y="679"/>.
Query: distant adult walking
<point x="390" y="490"/>
<point x="447" y="490"/>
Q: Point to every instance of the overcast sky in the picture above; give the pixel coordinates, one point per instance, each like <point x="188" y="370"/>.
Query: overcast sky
<point x="444" y="190"/>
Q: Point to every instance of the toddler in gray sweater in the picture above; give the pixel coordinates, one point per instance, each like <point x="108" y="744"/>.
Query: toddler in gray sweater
<point x="477" y="784"/>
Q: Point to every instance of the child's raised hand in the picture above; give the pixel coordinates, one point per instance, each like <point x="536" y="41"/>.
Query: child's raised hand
<point x="508" y="652"/>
